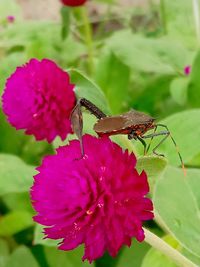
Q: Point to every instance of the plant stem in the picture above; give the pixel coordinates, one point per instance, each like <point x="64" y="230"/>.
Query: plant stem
<point x="157" y="243"/>
<point x="163" y="15"/>
<point x="88" y="38"/>
<point x="196" y="19"/>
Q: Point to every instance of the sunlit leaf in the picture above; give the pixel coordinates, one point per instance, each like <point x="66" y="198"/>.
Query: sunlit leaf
<point x="162" y="55"/>
<point x="153" y="166"/>
<point x="88" y="89"/>
<point x="185" y="129"/>
<point x="178" y="90"/>
<point x="177" y="204"/>
<point x="194" y="85"/>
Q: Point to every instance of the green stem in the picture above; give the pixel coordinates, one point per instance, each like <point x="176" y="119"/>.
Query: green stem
<point x="88" y="38"/>
<point x="157" y="243"/>
<point x="163" y="15"/>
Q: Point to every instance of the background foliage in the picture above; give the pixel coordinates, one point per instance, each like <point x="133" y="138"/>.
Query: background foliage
<point x="136" y="60"/>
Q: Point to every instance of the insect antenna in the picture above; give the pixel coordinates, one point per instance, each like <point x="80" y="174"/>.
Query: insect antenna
<point x="92" y="108"/>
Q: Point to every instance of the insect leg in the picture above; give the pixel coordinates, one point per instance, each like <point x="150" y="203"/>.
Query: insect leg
<point x="133" y="135"/>
<point x="151" y="139"/>
<point x="143" y="143"/>
<point x="77" y="125"/>
<point x="180" y="157"/>
<point x="166" y="133"/>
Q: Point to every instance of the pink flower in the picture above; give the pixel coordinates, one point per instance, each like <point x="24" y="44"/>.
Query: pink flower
<point x="10" y="19"/>
<point x="187" y="70"/>
<point x="98" y="201"/>
<point x="73" y="3"/>
<point x="39" y="98"/>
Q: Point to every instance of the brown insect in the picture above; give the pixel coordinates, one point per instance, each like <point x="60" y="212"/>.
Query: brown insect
<point x="133" y="123"/>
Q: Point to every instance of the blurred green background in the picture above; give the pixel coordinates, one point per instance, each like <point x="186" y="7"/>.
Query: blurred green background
<point x="121" y="55"/>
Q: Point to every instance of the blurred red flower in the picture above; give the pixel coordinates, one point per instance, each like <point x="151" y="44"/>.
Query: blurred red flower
<point x="99" y="201"/>
<point x="73" y="2"/>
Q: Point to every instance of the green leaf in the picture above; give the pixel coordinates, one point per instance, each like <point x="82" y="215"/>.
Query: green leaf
<point x="163" y="55"/>
<point x="185" y="129"/>
<point x="152" y="99"/>
<point x="15" y="175"/>
<point x="89" y="90"/>
<point x="178" y="90"/>
<point x="15" y="222"/>
<point x="113" y="77"/>
<point x="57" y="258"/>
<point x="195" y="162"/>
<point x="16" y="142"/>
<point x="41" y="39"/>
<point x="39" y="237"/>
<point x="195" y="259"/>
<point x="177" y="206"/>
<point x="133" y="256"/>
<point x="4" y="253"/>
<point x="155" y="258"/>
<point x="22" y="257"/>
<point x="194" y="85"/>
<point x="18" y="201"/>
<point x="8" y="66"/>
<point x="11" y="140"/>
<point x="154" y="168"/>
<point x="33" y="151"/>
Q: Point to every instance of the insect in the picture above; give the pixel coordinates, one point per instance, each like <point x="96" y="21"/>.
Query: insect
<point x="135" y="124"/>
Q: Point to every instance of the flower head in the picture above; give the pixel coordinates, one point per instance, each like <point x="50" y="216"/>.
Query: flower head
<point x="39" y="98"/>
<point x="98" y="201"/>
<point x="73" y="3"/>
<point x="187" y="70"/>
<point x="10" y="19"/>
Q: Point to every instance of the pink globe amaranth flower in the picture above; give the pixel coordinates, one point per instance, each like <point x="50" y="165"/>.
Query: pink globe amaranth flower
<point x="73" y="3"/>
<point x="10" y="19"/>
<point x="98" y="201"/>
<point x="187" y="70"/>
<point x="39" y="98"/>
